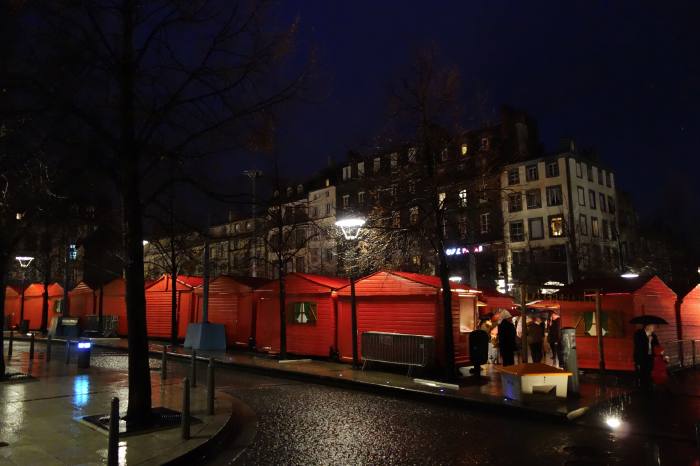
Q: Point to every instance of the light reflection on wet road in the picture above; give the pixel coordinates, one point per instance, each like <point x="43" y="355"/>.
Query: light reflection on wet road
<point x="301" y="424"/>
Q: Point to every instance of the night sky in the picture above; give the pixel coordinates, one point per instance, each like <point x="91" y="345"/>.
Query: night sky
<point x="617" y="76"/>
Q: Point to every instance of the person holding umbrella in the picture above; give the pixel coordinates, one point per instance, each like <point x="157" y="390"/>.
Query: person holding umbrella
<point x="506" y="338"/>
<point x="645" y="347"/>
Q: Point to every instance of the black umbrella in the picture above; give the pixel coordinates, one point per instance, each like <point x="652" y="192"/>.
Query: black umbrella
<point x="648" y="320"/>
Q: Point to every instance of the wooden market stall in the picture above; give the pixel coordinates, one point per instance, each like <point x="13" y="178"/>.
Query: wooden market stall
<point x="33" y="303"/>
<point x="311" y="311"/>
<point x="233" y="303"/>
<point x="159" y="305"/>
<point x="11" y="309"/>
<point x="114" y="303"/>
<point x="407" y="304"/>
<point x="83" y="300"/>
<point x="621" y="300"/>
<point x="690" y="315"/>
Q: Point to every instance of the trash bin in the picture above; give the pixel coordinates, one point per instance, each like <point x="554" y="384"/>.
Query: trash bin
<point x="478" y="349"/>
<point x="24" y="326"/>
<point x="84" y="349"/>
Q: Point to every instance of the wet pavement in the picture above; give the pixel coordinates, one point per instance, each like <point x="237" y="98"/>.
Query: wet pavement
<point x="40" y="418"/>
<point x="302" y="423"/>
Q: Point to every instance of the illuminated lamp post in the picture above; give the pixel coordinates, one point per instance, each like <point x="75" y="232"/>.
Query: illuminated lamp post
<point x="351" y="230"/>
<point x="24" y="262"/>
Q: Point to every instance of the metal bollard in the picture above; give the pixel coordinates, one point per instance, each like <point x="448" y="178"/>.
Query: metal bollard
<point x="9" y="349"/>
<point x="185" y="424"/>
<point x="164" y="363"/>
<point x="193" y="368"/>
<point x="113" y="445"/>
<point x="67" y="351"/>
<point x="31" y="347"/>
<point x="48" y="348"/>
<point x="210" y="387"/>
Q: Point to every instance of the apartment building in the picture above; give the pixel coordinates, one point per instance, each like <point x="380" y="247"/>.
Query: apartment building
<point x="559" y="217"/>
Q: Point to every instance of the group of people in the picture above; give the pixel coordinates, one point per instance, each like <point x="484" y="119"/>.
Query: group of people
<point x="506" y="339"/>
<point x="649" y="358"/>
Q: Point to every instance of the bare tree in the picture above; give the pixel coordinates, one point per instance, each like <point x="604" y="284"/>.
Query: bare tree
<point x="143" y="82"/>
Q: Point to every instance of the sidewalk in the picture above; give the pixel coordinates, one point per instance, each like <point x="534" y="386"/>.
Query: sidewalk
<point x="40" y="419"/>
<point x="486" y="393"/>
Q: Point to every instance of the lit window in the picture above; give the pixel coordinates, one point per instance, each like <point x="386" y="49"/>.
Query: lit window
<point x="552" y="169"/>
<point x="534" y="198"/>
<point x="517" y="232"/>
<point x="377" y="165"/>
<point x="463" y="198"/>
<point x="591" y="199"/>
<point x="581" y="196"/>
<point x="467" y="315"/>
<point x="515" y="202"/>
<point x="556" y="226"/>
<point x="465" y="149"/>
<point x="484" y="221"/>
<point x="413" y="215"/>
<point x="360" y="169"/>
<point x="554" y="196"/>
<point x="532" y="173"/>
<point x="583" y="224"/>
<point x="441" y="199"/>
<point x="513" y="176"/>
<point x="346" y="201"/>
<point x="536" y="227"/>
<point x="412" y="154"/>
<point x="595" y="229"/>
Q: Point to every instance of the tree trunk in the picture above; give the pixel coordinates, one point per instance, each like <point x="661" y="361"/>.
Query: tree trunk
<point x="45" y="304"/>
<point x="283" y="314"/>
<point x="3" y="271"/>
<point x="100" y="311"/>
<point x="447" y="317"/>
<point x="139" y="408"/>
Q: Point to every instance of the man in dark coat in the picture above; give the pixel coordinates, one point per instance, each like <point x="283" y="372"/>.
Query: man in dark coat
<point x="554" y="340"/>
<point x="506" y="339"/>
<point x="644" y="341"/>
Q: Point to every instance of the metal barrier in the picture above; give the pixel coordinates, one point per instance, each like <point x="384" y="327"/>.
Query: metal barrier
<point x="110" y="324"/>
<point x="397" y="348"/>
<point x="682" y="354"/>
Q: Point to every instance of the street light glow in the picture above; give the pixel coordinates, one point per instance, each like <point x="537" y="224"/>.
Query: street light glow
<point x="145" y="242"/>
<point x="24" y="261"/>
<point x="629" y="275"/>
<point x="613" y="422"/>
<point x="456" y="279"/>
<point x="350" y="226"/>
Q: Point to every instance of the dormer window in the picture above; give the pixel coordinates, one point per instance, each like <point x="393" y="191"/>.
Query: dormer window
<point x="465" y="150"/>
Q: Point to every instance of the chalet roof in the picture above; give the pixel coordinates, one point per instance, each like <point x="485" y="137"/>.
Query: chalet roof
<point x="252" y="282"/>
<point x="606" y="285"/>
<point x="333" y="283"/>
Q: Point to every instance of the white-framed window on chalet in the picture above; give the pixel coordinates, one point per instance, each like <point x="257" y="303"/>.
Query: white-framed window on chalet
<point x="302" y="313"/>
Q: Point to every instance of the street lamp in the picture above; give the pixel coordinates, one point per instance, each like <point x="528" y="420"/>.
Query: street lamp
<point x="629" y="274"/>
<point x="24" y="262"/>
<point x="351" y="230"/>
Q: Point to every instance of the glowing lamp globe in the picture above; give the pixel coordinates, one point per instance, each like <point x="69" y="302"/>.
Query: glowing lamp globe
<point x="24" y="261"/>
<point x="350" y="227"/>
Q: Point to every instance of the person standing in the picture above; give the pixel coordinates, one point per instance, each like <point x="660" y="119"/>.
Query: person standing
<point x="554" y="339"/>
<point x="645" y="341"/>
<point x="506" y="338"/>
<point x="535" y="339"/>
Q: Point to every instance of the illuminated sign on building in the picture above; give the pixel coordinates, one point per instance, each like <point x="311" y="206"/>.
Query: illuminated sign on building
<point x="463" y="250"/>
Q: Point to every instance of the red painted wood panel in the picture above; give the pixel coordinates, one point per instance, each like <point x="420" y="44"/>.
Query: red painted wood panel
<point x="690" y="314"/>
<point x="33" y="301"/>
<point x="114" y="303"/>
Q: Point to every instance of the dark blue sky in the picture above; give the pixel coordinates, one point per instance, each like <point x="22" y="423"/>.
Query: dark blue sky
<point x="622" y="77"/>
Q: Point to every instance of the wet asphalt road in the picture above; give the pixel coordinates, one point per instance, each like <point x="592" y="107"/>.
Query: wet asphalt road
<point x="304" y="424"/>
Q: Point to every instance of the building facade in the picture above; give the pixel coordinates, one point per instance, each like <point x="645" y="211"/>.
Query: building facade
<point x="559" y="218"/>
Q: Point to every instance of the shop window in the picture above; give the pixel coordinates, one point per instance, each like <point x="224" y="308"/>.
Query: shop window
<point x="302" y="313"/>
